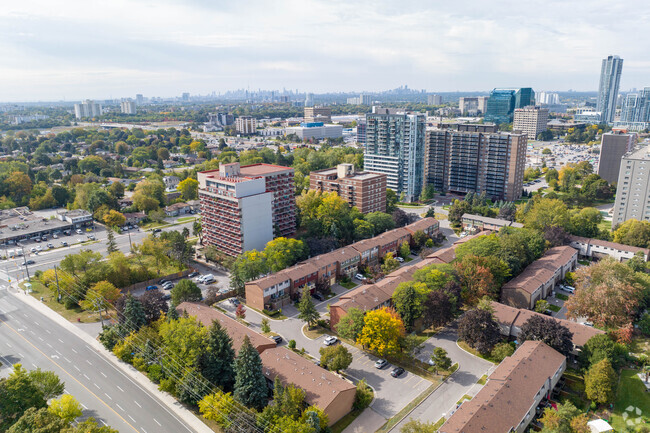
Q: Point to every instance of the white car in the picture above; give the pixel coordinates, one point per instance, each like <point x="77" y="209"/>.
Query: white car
<point x="330" y="340"/>
<point x="570" y="289"/>
<point x="399" y="259"/>
<point x="360" y="277"/>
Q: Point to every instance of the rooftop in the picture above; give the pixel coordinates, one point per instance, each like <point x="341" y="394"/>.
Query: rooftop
<point x="262" y="169"/>
<point x="509" y="393"/>
<point x="541" y="270"/>
<point x="493" y="221"/>
<point x="607" y="244"/>
<point x="640" y="153"/>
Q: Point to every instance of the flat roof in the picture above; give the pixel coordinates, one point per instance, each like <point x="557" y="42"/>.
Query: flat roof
<point x="16" y="227"/>
<point x="262" y="169"/>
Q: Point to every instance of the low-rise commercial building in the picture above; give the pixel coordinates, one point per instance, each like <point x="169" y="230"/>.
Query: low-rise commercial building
<point x="315" y="130"/>
<point x="20" y="223"/>
<point x="365" y="190"/>
<point x="508" y="400"/>
<point x="539" y="278"/>
<point x="511" y="320"/>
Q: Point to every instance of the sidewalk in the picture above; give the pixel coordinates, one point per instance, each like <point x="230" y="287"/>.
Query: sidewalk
<point x="170" y="402"/>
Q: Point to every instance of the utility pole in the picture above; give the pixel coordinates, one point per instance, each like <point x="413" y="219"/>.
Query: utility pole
<point x="58" y="291"/>
<point x="26" y="266"/>
<point x="130" y="244"/>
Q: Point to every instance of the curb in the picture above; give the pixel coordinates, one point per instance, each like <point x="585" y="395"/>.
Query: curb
<point x="166" y="400"/>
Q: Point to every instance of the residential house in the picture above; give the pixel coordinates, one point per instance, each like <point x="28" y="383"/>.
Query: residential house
<point x="176" y="209"/>
<point x="134" y="217"/>
<point x="597" y="249"/>
<point x="511" y="319"/>
<point x="508" y="400"/>
<point x="539" y="278"/>
<point x="479" y="222"/>
<point x="270" y="292"/>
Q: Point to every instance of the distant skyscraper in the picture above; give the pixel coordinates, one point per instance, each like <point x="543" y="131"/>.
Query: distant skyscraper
<point x="127" y="107"/>
<point x="395" y="146"/>
<point x="524" y="97"/>
<point x="610" y="77"/>
<point x="500" y="105"/>
<point x="309" y="100"/>
<point x="530" y="120"/>
<point x="139" y="99"/>
<point x="434" y="100"/>
<point x="547" y="98"/>
<point x="613" y="146"/>
<point x="186" y="96"/>
<point x="87" y="108"/>
<point x="472" y="106"/>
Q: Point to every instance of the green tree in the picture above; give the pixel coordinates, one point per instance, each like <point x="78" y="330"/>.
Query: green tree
<point x="391" y="201"/>
<point x="351" y="325"/>
<point x="363" y="396"/>
<point x="183" y="339"/>
<point x="380" y="221"/>
<point x="116" y="189"/>
<point x="600" y="382"/>
<point x="17" y="395"/>
<point x="265" y="327"/>
<point x="111" y="245"/>
<point x="283" y="252"/>
<point x="218" y="407"/>
<point x="547" y="213"/>
<point x="633" y="232"/>
<point x="250" y="383"/>
<point x="441" y="360"/>
<point x="47" y="382"/>
<point x="38" y="421"/>
<point x="189" y="188"/>
<point x="133" y="315"/>
<point x="67" y="408"/>
<point x="541" y="306"/>
<point x="501" y="351"/>
<point x="185" y="291"/>
<point x="335" y="358"/>
<point x="408" y="299"/>
<point x="363" y="229"/>
<point x="114" y="218"/>
<point x="90" y="426"/>
<point x="404" y="250"/>
<point x="390" y="264"/>
<point x="248" y="266"/>
<point x="100" y="296"/>
<point x="479" y="329"/>
<point x="307" y="310"/>
<point x="601" y="347"/>
<point x="216" y="362"/>
<point x="417" y="426"/>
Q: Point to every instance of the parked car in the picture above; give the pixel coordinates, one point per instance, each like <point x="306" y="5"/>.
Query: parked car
<point x="49" y="245"/>
<point x="381" y="363"/>
<point x="397" y="372"/>
<point x="330" y="340"/>
<point x="29" y="262"/>
<point x="80" y="240"/>
<point x="277" y="339"/>
<point x="193" y="274"/>
<point x="163" y="281"/>
<point x="570" y="289"/>
<point x="168" y="285"/>
<point x="32" y="249"/>
<point x="55" y="236"/>
<point x="167" y="297"/>
<point x="360" y="277"/>
<point x="234" y="301"/>
<point x="91" y="237"/>
<point x="198" y="279"/>
<point x="208" y="279"/>
<point x="78" y="231"/>
<point x="151" y="288"/>
<point x="64" y="244"/>
<point x="157" y="230"/>
<point x="318" y="296"/>
<point x="399" y="259"/>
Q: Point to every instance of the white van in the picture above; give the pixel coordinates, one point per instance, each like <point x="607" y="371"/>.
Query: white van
<point x="208" y="279"/>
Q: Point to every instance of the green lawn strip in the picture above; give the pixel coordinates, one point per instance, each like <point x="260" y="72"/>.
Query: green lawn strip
<point x="407" y="409"/>
<point x="185" y="219"/>
<point x="314" y="333"/>
<point x="554" y="308"/>
<point x="73" y="315"/>
<point x="438" y="424"/>
<point x="475" y="352"/>
<point x="482" y="380"/>
<point x="278" y="316"/>
<point x="463" y="398"/>
<point x="348" y="285"/>
<point x="344" y="422"/>
<point x="631" y="392"/>
<point x="408" y="259"/>
<point x="562" y="296"/>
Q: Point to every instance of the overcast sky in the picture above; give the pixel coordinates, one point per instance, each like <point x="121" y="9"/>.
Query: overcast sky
<point x="73" y="49"/>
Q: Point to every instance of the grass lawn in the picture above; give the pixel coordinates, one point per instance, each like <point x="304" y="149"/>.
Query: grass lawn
<point x="408" y="259"/>
<point x="348" y="285"/>
<point x="402" y="413"/>
<point x="631" y="392"/>
<point x="640" y="345"/>
<point x="482" y="380"/>
<point x="314" y="333"/>
<point x="440" y="216"/>
<point x="584" y="262"/>
<point x="554" y="308"/>
<point x="463" y="398"/>
<point x="562" y="296"/>
<point x="185" y="219"/>
<point x="279" y="316"/>
<point x="73" y="315"/>
<point x="153" y="225"/>
<point x="475" y="352"/>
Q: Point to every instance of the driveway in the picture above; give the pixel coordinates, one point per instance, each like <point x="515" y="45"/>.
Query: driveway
<point x="391" y="394"/>
<point x="463" y="381"/>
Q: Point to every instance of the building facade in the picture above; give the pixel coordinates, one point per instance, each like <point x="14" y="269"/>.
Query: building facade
<point x="530" y="120"/>
<point x="476" y="158"/>
<point x="633" y="189"/>
<point x="360" y="100"/>
<point x="127" y="107"/>
<point x="318" y="114"/>
<point x="237" y="213"/>
<point x="246" y="125"/>
<point x="635" y="113"/>
<point x="434" y="100"/>
<point x="315" y="130"/>
<point x="613" y="146"/>
<point x="365" y="190"/>
<point x="472" y="106"/>
<point x="501" y="103"/>
<point x="610" y="78"/>
<point x="279" y="182"/>
<point x="87" y="108"/>
<point x="395" y="143"/>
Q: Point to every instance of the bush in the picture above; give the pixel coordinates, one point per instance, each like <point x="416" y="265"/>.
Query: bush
<point x="168" y="385"/>
<point x="70" y="303"/>
<point x="644" y="324"/>
<point x="292" y="344"/>
<point x="429" y="243"/>
<point x="271" y="313"/>
<point x="155" y="373"/>
<point x="38" y="274"/>
<point x="139" y="364"/>
<point x="501" y="351"/>
<point x="324" y="323"/>
<point x="109" y="337"/>
<point x="363" y="396"/>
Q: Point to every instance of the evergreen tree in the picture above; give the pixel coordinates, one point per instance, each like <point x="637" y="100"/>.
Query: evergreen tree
<point x="111" y="245"/>
<point x="216" y="362"/>
<point x="307" y="309"/>
<point x="133" y="316"/>
<point x="250" y="384"/>
<point x="173" y="313"/>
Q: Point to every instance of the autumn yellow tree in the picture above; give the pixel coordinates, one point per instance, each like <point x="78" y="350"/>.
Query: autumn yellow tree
<point x="189" y="188"/>
<point x="100" y="296"/>
<point x="382" y="331"/>
<point x="113" y="218"/>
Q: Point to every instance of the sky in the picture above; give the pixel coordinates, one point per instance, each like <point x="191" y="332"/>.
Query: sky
<point x="78" y="49"/>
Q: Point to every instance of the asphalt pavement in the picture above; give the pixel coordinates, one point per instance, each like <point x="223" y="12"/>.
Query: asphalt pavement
<point x="30" y="338"/>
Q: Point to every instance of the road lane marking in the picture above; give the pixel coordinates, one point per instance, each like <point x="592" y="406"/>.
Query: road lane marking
<point x="108" y="396"/>
<point x="59" y="353"/>
<point x="9" y="345"/>
<point x="60" y="341"/>
<point x="131" y="418"/>
<point x="102" y="374"/>
<point x="48" y="331"/>
<point x="157" y="421"/>
<point x="143" y="429"/>
<point x="49" y="345"/>
<point x="86" y="376"/>
<point x="139" y="406"/>
<point x="96" y="385"/>
<point x="89" y="362"/>
<point x="117" y="404"/>
<point x="77" y="368"/>
<point x="37" y="324"/>
<point x="66" y="359"/>
<point x="118" y="387"/>
<point x="84" y="406"/>
<point x="35" y="366"/>
<point x="73" y="350"/>
<point x="21" y="355"/>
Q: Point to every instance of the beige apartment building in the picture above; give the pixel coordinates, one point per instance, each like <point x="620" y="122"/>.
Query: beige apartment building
<point x="318" y="114"/>
<point x="365" y="190"/>
<point x="633" y="189"/>
<point x="530" y="120"/>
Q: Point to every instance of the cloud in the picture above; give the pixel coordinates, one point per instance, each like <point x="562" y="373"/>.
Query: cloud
<point x="79" y="49"/>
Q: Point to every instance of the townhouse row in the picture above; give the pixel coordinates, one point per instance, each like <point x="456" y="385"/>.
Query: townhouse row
<point x="331" y="393"/>
<point x="276" y="290"/>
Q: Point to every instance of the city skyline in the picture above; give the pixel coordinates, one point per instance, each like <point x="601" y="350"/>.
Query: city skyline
<point x="58" y="50"/>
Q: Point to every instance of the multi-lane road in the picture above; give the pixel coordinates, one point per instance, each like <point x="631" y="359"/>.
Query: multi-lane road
<point x="30" y="338"/>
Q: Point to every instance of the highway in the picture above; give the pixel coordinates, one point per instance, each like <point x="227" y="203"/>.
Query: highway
<point x="106" y="393"/>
